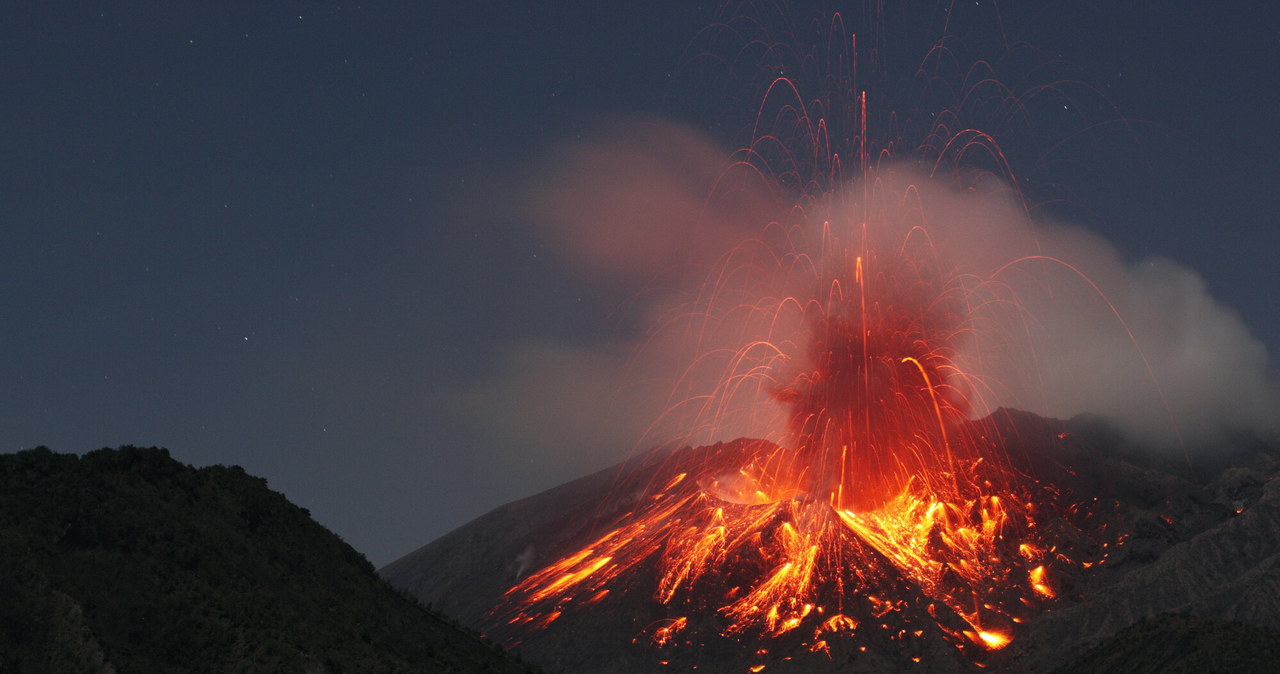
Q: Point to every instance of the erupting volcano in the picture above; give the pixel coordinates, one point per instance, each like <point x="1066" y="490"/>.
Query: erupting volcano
<point x="878" y="502"/>
<point x="872" y="504"/>
<point x="882" y="507"/>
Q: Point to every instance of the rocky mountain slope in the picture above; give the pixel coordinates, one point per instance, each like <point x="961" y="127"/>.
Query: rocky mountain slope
<point x="1181" y="644"/>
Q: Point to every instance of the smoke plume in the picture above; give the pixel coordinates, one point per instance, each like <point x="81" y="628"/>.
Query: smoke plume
<point x="1062" y="323"/>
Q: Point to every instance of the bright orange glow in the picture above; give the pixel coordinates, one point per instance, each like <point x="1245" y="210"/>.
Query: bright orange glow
<point x="1039" y="582"/>
<point x="779" y="565"/>
<point x="994" y="641"/>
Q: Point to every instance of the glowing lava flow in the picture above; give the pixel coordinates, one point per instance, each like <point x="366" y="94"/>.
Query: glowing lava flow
<point x="885" y="510"/>
<point x="800" y="565"/>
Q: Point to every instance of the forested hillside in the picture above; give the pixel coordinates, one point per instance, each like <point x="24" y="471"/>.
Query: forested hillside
<point x="126" y="560"/>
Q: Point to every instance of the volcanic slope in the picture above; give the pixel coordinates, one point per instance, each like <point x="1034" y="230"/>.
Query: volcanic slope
<point x="1172" y="643"/>
<point x="126" y="560"/>
<point x="1140" y="536"/>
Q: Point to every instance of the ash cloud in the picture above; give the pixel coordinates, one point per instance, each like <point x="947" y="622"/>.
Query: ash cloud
<point x="629" y="208"/>
<point x="1141" y="342"/>
<point x="1207" y="377"/>
<point x="652" y="207"/>
<point x="644" y="200"/>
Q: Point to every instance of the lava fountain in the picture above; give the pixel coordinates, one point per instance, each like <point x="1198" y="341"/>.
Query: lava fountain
<point x="872" y="503"/>
<point x="880" y="506"/>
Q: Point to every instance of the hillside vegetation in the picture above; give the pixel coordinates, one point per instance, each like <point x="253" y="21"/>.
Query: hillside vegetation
<point x="128" y="561"/>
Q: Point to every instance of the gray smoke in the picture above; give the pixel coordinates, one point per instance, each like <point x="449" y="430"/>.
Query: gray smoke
<point x="1065" y="324"/>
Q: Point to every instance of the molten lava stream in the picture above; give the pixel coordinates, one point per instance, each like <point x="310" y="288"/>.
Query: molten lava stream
<point x="724" y="545"/>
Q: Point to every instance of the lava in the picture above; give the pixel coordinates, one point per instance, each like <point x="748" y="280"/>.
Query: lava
<point x="805" y="566"/>
<point x="865" y="409"/>
<point x="873" y="502"/>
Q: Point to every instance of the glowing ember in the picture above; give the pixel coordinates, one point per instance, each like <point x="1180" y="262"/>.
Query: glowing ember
<point x="994" y="640"/>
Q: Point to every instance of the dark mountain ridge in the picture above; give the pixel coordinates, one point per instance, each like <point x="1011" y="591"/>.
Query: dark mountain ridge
<point x="128" y="561"/>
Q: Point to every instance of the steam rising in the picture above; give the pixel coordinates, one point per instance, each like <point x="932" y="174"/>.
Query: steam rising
<point x="1140" y="342"/>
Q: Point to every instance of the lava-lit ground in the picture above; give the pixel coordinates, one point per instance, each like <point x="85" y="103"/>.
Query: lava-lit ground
<point x="720" y="554"/>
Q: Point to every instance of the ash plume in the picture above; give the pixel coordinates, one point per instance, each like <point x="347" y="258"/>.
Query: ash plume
<point x="651" y="207"/>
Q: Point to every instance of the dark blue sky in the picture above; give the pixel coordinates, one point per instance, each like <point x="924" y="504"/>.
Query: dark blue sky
<point x="242" y="230"/>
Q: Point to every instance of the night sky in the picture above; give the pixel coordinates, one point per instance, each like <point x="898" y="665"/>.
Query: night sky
<point x="265" y="234"/>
